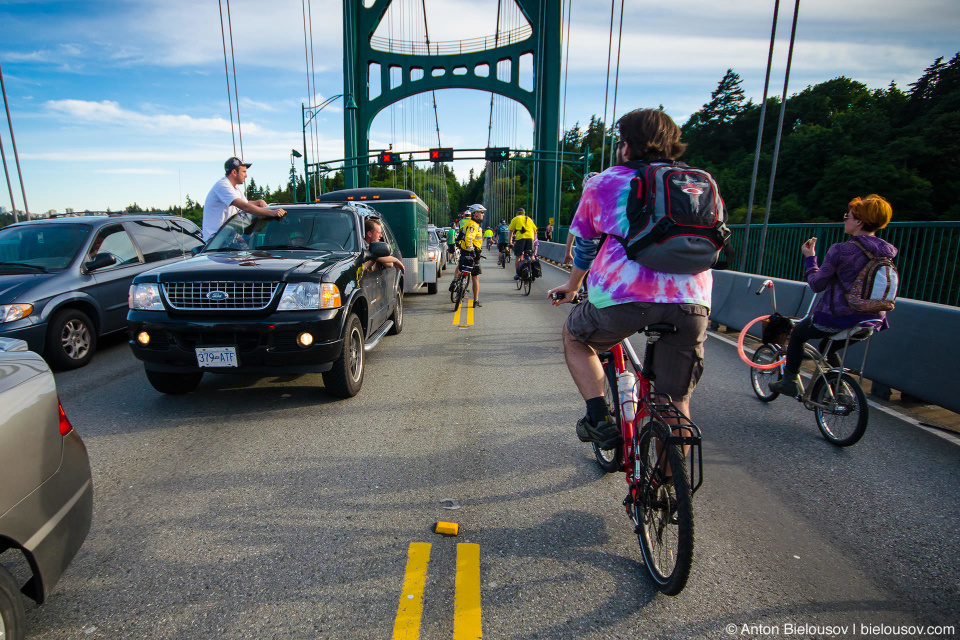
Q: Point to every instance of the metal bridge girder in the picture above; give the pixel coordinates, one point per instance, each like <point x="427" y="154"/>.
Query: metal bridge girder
<point x="543" y="103"/>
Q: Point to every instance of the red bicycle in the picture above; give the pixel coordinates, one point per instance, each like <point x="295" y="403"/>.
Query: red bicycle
<point x="658" y="440"/>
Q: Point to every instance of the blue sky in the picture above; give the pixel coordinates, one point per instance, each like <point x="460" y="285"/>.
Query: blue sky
<point x="116" y="101"/>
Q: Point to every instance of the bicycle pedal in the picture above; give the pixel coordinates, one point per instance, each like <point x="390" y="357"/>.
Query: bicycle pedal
<point x="637" y="530"/>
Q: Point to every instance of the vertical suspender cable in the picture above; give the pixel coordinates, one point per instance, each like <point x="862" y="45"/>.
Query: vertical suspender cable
<point x="776" y="147"/>
<point x="756" y="156"/>
<point x="233" y="62"/>
<point x="616" y="84"/>
<point x="563" y="120"/>
<point x="310" y="97"/>
<point x="16" y="156"/>
<point x="313" y="75"/>
<point x="606" y="91"/>
<point x="226" y="72"/>
<point x="6" y="172"/>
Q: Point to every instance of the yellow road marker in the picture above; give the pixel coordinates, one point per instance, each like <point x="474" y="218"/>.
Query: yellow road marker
<point x="447" y="528"/>
<point x="410" y="609"/>
<point x="456" y="315"/>
<point x="466" y="601"/>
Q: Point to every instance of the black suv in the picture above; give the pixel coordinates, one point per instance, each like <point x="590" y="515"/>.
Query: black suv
<point x="298" y="294"/>
<point x="64" y="281"/>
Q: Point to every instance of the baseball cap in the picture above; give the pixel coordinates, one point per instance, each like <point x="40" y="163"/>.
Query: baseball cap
<point x="233" y="163"/>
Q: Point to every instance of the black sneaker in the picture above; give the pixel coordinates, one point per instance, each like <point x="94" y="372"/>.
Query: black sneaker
<point x="476" y="303"/>
<point x="452" y="285"/>
<point x="786" y="386"/>
<point x="605" y="434"/>
<point x="516" y="277"/>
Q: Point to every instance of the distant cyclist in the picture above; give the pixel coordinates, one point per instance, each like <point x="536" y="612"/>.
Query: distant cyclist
<point x="503" y="236"/>
<point x="471" y="246"/>
<point x="451" y="243"/>
<point x="568" y="253"/>
<point x="488" y="237"/>
<point x="522" y="232"/>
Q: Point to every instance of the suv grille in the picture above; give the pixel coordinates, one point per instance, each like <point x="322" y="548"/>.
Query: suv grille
<point x="189" y="296"/>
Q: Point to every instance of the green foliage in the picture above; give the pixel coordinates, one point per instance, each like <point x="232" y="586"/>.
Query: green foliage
<point x="840" y="140"/>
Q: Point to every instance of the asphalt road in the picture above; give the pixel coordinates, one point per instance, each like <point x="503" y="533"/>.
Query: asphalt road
<point x="262" y="508"/>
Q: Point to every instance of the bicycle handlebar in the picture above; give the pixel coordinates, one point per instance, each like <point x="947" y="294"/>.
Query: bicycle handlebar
<point x="767" y="284"/>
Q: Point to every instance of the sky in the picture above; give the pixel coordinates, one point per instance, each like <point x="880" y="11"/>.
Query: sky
<point x="122" y="101"/>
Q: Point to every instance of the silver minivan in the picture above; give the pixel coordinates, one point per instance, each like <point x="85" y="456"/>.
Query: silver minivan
<point x="46" y="491"/>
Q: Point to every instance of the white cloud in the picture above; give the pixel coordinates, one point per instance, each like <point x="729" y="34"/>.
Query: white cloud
<point x="107" y="112"/>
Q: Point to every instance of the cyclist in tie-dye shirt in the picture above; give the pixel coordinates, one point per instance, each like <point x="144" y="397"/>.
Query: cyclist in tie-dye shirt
<point x="625" y="296"/>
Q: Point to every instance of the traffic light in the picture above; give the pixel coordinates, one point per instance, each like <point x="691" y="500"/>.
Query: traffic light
<point x="389" y="158"/>
<point x="497" y="154"/>
<point x="443" y="154"/>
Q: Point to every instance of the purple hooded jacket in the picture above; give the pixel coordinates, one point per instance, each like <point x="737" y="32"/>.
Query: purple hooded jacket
<point x="843" y="263"/>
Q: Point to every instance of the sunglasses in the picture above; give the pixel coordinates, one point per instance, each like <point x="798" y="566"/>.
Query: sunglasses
<point x="849" y="215"/>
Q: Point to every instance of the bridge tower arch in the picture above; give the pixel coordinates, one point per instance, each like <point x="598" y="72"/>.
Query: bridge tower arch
<point x="426" y="67"/>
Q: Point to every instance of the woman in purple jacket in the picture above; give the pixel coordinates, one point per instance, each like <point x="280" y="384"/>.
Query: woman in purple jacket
<point x="840" y="268"/>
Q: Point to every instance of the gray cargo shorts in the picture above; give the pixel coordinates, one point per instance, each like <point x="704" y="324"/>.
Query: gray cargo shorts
<point x="678" y="359"/>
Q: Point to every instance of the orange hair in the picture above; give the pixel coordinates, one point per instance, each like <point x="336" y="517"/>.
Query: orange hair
<point x="874" y="211"/>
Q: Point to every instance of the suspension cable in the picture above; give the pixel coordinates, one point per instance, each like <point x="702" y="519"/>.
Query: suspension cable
<point x="233" y="63"/>
<point x="616" y="85"/>
<point x="606" y="91"/>
<point x="226" y="72"/>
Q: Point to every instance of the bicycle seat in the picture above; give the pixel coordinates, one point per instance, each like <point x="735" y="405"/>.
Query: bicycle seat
<point x="660" y="327"/>
<point x="853" y="333"/>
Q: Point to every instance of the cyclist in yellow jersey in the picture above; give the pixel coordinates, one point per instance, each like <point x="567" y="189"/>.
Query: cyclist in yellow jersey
<point x="470" y="247"/>
<point x="522" y="232"/>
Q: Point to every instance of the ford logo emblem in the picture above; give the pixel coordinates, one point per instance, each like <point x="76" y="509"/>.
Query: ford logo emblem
<point x="216" y="296"/>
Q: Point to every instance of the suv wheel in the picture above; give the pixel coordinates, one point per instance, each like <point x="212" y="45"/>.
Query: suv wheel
<point x="71" y="339"/>
<point x="13" y="618"/>
<point x="174" y="384"/>
<point x="346" y="377"/>
<point x="397" y="316"/>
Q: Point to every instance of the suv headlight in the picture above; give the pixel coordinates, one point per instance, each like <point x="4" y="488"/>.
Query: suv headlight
<point x="145" y="297"/>
<point x="11" y="312"/>
<point x="298" y="296"/>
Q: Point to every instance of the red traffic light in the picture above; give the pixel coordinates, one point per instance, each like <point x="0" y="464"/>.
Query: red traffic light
<point x="443" y="154"/>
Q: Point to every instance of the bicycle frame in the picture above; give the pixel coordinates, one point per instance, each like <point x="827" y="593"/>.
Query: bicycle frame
<point x="659" y="407"/>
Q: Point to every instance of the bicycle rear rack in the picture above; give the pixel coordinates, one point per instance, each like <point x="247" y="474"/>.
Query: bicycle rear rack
<point x="664" y="413"/>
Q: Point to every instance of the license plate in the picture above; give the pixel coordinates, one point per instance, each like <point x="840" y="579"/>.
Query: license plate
<point x="217" y="356"/>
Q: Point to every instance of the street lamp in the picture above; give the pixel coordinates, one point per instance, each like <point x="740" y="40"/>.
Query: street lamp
<point x="349" y="103"/>
<point x="293" y="173"/>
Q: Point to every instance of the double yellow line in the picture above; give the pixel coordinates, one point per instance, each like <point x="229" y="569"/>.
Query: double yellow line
<point x="456" y="315"/>
<point x="466" y="601"/>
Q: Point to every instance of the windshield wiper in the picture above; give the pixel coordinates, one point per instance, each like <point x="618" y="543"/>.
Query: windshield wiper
<point x="23" y="264"/>
<point x="270" y="247"/>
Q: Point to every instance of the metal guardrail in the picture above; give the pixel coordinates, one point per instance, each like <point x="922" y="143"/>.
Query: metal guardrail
<point x="451" y="47"/>
<point x="928" y="262"/>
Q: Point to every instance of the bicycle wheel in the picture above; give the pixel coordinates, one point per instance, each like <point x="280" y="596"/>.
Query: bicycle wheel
<point x="453" y="291"/>
<point x="459" y="290"/>
<point x="519" y="282"/>
<point x="526" y="287"/>
<point x="844" y="419"/>
<point x="610" y="460"/>
<point x="664" y="522"/>
<point x="760" y="379"/>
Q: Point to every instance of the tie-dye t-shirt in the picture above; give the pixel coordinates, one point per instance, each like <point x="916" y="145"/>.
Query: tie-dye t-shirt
<point x="614" y="278"/>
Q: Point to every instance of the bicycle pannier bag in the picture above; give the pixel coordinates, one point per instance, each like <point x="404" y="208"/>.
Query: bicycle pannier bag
<point x="875" y="287"/>
<point x="535" y="267"/>
<point x="677" y="218"/>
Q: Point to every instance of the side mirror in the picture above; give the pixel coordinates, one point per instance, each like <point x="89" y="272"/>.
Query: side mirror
<point x="100" y="261"/>
<point x="379" y="249"/>
<point x="196" y="250"/>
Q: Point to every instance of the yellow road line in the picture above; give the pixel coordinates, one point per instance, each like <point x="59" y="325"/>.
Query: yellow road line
<point x="456" y="313"/>
<point x="410" y="609"/>
<point x="466" y="601"/>
<point x="470" y="313"/>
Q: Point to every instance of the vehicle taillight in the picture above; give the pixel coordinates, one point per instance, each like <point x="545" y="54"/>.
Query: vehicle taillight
<point x="65" y="426"/>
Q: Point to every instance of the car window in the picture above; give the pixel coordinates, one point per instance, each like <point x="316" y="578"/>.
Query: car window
<point x="49" y="247"/>
<point x="187" y="233"/>
<point x="305" y="229"/>
<point x="388" y="237"/>
<point x="114" y="239"/>
<point x="156" y="240"/>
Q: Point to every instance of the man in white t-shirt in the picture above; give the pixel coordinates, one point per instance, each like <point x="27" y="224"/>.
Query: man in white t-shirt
<point x="226" y="198"/>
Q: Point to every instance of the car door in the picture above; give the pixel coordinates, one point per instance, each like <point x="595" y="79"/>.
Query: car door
<point x="390" y="276"/>
<point x="113" y="282"/>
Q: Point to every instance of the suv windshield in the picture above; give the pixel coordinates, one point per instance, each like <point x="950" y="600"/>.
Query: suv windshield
<point x="42" y="247"/>
<point x="301" y="229"/>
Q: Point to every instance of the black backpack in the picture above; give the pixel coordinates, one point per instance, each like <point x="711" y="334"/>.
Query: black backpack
<point x="677" y="218"/>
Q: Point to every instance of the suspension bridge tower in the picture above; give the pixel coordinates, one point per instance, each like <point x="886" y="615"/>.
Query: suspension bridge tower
<point x="409" y="69"/>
